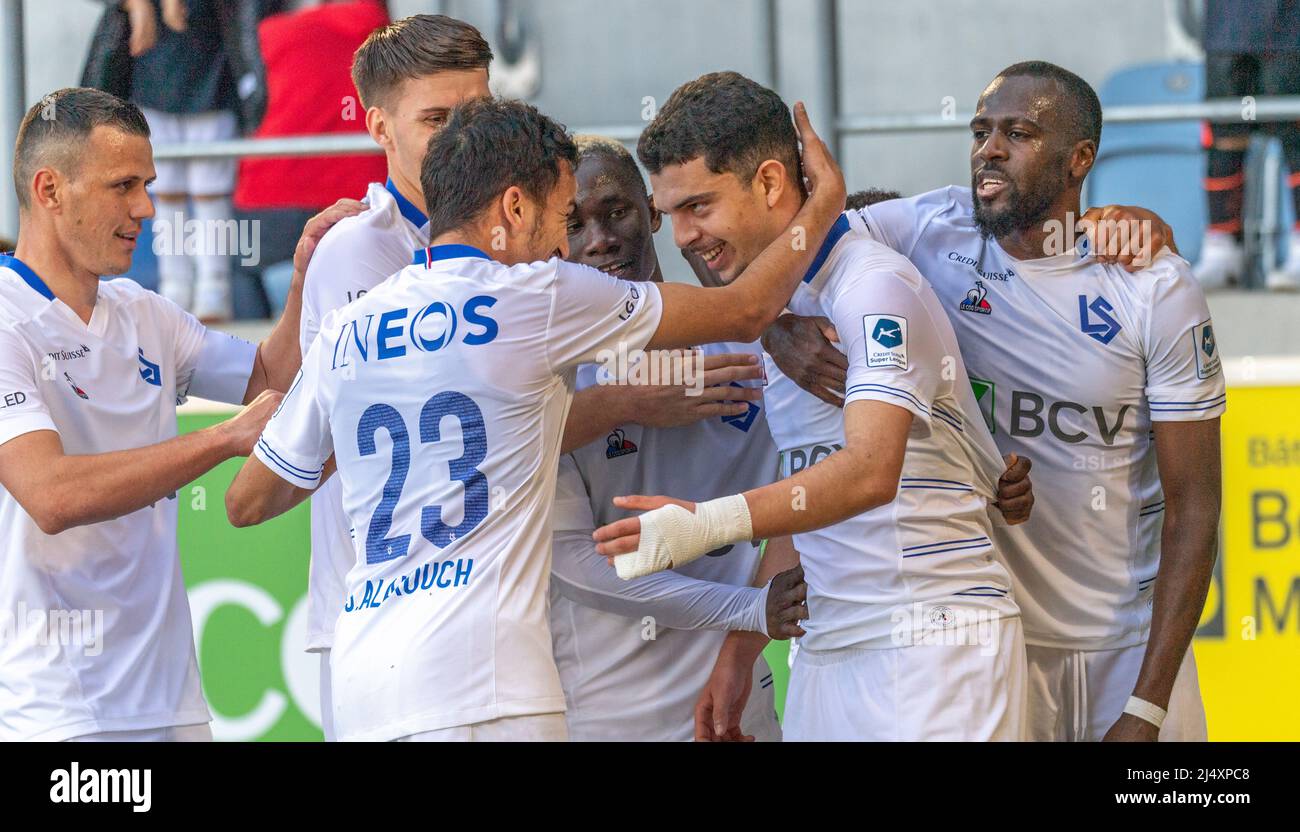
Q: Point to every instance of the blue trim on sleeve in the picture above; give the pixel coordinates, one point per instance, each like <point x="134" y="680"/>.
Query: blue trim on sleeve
<point x="412" y="214"/>
<point x="292" y="470"/>
<point x="1187" y="407"/>
<point x="838" y="230"/>
<point x="29" y="277"/>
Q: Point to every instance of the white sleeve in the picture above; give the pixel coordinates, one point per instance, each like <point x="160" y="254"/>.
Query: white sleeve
<point x="296" y="442"/>
<point x="209" y="364"/>
<point x="1184" y="372"/>
<point x="21" y="408"/>
<point x="894" y="351"/>
<point x="893" y="222"/>
<point x="583" y="575"/>
<point x="592" y="312"/>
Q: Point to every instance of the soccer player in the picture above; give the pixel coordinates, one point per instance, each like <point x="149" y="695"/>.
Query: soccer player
<point x="442" y="394"/>
<point x="410" y="74"/>
<point x="1111" y="383"/>
<point x="633" y="656"/>
<point x="98" y="642"/>
<point x="888" y="498"/>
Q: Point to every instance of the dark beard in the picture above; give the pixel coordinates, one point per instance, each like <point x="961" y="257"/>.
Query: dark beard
<point x="1026" y="209"/>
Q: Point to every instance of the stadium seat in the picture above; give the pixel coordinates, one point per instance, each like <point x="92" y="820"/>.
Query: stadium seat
<point x="1157" y="165"/>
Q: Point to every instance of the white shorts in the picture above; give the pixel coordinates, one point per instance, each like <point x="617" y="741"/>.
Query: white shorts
<point x="531" y="728"/>
<point x="967" y="692"/>
<point x="1077" y="695"/>
<point x="201" y="732"/>
<point x="195" y="177"/>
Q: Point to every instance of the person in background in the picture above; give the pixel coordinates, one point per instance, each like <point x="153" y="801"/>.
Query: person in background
<point x="308" y="56"/>
<point x="183" y="78"/>
<point x="1252" y="47"/>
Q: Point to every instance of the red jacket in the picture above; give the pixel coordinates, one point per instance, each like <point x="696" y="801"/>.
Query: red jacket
<point x="308" y="57"/>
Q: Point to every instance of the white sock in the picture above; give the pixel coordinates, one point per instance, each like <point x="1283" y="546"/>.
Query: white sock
<point x="175" y="267"/>
<point x="217" y="243"/>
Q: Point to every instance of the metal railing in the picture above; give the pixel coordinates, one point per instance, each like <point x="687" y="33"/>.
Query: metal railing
<point x="1278" y="108"/>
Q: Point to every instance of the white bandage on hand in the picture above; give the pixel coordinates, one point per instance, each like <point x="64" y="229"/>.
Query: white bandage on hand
<point x="673" y="536"/>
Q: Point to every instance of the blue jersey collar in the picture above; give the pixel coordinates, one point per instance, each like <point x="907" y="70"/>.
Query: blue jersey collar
<point x="838" y="230"/>
<point x="24" y="271"/>
<point x="413" y="215"/>
<point x="427" y="256"/>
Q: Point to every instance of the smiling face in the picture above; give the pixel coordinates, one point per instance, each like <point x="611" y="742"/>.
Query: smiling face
<point x="540" y="229"/>
<point x="102" y="205"/>
<point x="612" y="225"/>
<point x="726" y="221"/>
<point x="1024" y="160"/>
<point x="414" y="111"/>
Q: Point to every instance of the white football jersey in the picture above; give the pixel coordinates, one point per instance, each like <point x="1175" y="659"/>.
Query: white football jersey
<point x="442" y="394"/>
<point x="1072" y="362"/>
<point x="926" y="561"/>
<point x="634" y="655"/>
<point x="95" y="630"/>
<point x="353" y="257"/>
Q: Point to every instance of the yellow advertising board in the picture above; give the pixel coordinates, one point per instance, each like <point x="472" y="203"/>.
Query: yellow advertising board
<point x="1248" y="644"/>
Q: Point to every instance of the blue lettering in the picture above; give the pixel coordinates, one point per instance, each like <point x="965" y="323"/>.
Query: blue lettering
<point x="410" y="583"/>
<point x="367" y="600"/>
<point x="351" y="604"/>
<point x="363" y="344"/>
<point x="472" y="316"/>
<point x="442" y="568"/>
<point x="387" y="331"/>
<point x="426" y="579"/>
<point x="392" y="588"/>
<point x="468" y="565"/>
<point x="449" y="318"/>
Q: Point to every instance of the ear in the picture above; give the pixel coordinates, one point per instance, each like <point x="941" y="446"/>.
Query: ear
<point x="656" y="217"/>
<point x="1081" y="161"/>
<point x="377" y="127"/>
<point x="514" y="209"/>
<point x="772" y="179"/>
<point x="45" y="188"/>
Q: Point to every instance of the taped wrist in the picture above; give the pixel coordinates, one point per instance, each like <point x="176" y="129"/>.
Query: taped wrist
<point x="673" y="536"/>
<point x="1145" y="710"/>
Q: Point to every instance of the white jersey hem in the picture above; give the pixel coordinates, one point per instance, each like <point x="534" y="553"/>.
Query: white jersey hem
<point x="452" y="719"/>
<point x="82" y="727"/>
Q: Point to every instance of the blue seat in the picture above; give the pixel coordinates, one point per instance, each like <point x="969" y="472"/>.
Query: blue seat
<point x="1157" y="165"/>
